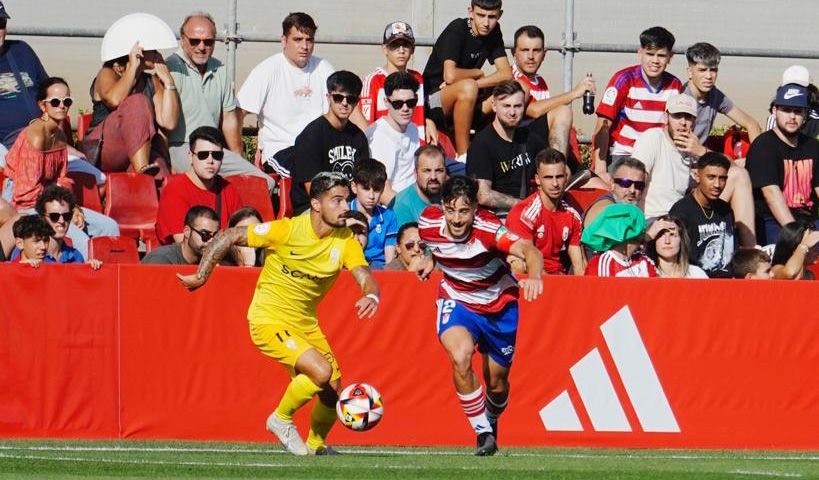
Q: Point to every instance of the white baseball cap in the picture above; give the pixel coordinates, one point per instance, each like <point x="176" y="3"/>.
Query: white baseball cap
<point x="797" y="74"/>
<point x="681" y="103"/>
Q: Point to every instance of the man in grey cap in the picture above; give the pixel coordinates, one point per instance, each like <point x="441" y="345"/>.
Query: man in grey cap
<point x="784" y="167"/>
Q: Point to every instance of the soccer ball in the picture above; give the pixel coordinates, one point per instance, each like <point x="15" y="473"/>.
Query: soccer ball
<point x="359" y="407"/>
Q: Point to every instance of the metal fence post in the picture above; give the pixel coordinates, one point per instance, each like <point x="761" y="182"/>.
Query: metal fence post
<point x="569" y="47"/>
<point x="232" y="39"/>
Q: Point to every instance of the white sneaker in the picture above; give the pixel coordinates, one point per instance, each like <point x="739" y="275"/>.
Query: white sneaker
<point x="287" y="434"/>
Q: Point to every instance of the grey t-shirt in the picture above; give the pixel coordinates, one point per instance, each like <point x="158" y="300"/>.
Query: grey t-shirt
<point x="716" y="102"/>
<point x="166" y="255"/>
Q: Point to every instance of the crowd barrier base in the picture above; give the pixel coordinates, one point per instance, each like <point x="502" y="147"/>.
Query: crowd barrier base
<point x="126" y="352"/>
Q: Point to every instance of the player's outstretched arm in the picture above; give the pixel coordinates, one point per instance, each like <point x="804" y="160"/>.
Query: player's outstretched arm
<point x="533" y="285"/>
<point x="367" y="305"/>
<point x="214" y="252"/>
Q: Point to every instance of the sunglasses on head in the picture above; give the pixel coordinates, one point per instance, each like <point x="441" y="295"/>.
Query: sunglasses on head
<point x="209" y="42"/>
<point x="411" y="245"/>
<point x="55" y="216"/>
<point x="205" y="235"/>
<point x="626" y="183"/>
<point x="399" y="104"/>
<point x="340" y="97"/>
<point x="217" y="155"/>
<point x="55" y="101"/>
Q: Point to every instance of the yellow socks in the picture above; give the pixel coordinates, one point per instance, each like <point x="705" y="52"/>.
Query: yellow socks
<point x="299" y="392"/>
<point x="322" y="419"/>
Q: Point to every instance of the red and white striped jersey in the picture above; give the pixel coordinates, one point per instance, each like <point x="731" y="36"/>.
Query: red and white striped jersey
<point x="551" y="232"/>
<point x="374" y="101"/>
<point x="634" y="106"/>
<point x="608" y="264"/>
<point x="538" y="89"/>
<point x="475" y="273"/>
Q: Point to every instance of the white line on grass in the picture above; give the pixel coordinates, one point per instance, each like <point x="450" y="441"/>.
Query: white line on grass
<point x="766" y="474"/>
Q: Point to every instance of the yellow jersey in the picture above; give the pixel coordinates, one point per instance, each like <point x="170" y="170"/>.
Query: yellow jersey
<point x="298" y="270"/>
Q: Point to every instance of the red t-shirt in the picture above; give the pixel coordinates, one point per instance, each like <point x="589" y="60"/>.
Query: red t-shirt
<point x="551" y="232"/>
<point x="180" y="194"/>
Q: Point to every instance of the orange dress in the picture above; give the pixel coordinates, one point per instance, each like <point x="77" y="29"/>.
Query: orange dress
<point x="31" y="170"/>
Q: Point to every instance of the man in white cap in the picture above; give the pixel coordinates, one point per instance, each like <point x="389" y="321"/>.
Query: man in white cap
<point x="799" y="75"/>
<point x="784" y="167"/>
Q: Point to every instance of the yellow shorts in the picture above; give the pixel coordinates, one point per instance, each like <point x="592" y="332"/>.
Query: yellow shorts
<point x="285" y="343"/>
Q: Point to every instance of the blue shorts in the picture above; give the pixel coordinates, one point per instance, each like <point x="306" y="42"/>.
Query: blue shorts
<point x="495" y="333"/>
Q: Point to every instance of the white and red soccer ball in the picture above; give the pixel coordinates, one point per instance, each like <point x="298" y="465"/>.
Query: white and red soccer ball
<point x="359" y="407"/>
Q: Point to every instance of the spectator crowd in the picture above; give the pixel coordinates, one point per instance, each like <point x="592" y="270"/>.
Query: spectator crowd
<point x="660" y="197"/>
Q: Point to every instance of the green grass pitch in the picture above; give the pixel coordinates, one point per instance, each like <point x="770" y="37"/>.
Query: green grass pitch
<point x="46" y="459"/>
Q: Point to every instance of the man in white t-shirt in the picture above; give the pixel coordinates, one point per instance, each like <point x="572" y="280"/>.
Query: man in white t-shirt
<point x="287" y="90"/>
<point x="394" y="138"/>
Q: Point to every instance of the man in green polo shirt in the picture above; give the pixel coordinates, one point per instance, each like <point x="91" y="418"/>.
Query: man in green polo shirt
<point x="430" y="173"/>
<point x="206" y="98"/>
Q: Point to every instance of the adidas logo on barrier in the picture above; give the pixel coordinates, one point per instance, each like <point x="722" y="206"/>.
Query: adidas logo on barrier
<point x="597" y="391"/>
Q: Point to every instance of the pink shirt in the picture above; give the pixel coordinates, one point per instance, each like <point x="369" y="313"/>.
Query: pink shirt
<point x="31" y="170"/>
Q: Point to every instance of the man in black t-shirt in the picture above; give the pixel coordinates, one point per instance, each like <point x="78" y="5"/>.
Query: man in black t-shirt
<point x="453" y="75"/>
<point x="330" y="143"/>
<point x="502" y="155"/>
<point x="708" y="219"/>
<point x="784" y="167"/>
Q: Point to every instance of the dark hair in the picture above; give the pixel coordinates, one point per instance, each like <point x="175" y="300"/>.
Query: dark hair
<point x="703" y="53"/>
<point x="629" y="162"/>
<point x="530" y="31"/>
<point x="208" y="134"/>
<point x="404" y="228"/>
<point x="746" y="260"/>
<point x="52" y="193"/>
<point x="193" y="15"/>
<point x="303" y="23"/>
<point x="122" y="61"/>
<point x="506" y="88"/>
<point x="789" y="237"/>
<point x="813" y="96"/>
<point x="325" y="181"/>
<point x="713" y="159"/>
<point x="400" y="81"/>
<point x="243" y="213"/>
<point x="656" y="38"/>
<point x="370" y="173"/>
<point x="488" y="4"/>
<point x="42" y="90"/>
<point x="549" y="156"/>
<point x="429" y="149"/>
<point x="458" y="186"/>
<point x="200" y="211"/>
<point x="683" y="257"/>
<point x="29" y="226"/>
<point x="344" y="81"/>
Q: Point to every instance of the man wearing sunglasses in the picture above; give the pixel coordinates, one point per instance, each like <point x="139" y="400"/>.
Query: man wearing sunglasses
<point x="205" y="98"/>
<point x="627" y="186"/>
<point x="201" y="225"/>
<point x="409" y="247"/>
<point x="394" y="138"/>
<point x="330" y="143"/>
<point x="200" y="185"/>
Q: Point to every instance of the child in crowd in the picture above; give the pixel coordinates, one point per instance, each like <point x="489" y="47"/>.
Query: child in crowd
<point x="31" y="235"/>
<point x="751" y="263"/>
<point x="617" y="235"/>
<point x="369" y="178"/>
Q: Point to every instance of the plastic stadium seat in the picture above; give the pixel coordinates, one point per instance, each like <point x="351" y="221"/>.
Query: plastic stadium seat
<point x="132" y="201"/>
<point x="83" y="122"/>
<point x="586" y="196"/>
<point x="114" y="250"/>
<point x="253" y="193"/>
<point x="446" y="144"/>
<point x="285" y="206"/>
<point x="86" y="191"/>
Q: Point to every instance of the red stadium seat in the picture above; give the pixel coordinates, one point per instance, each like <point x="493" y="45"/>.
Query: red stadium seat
<point x="113" y="250"/>
<point x="586" y="196"/>
<point x="83" y="122"/>
<point x="85" y="190"/>
<point x="285" y="206"/>
<point x="736" y="143"/>
<point x="132" y="201"/>
<point x="253" y="193"/>
<point x="446" y="144"/>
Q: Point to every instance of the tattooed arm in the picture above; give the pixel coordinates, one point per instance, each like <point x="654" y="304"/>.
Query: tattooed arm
<point x="493" y="199"/>
<point x="367" y="305"/>
<point x="214" y="251"/>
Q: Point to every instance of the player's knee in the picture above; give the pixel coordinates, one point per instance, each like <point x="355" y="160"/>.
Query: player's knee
<point x="497" y="385"/>
<point x="461" y="360"/>
<point x="321" y="374"/>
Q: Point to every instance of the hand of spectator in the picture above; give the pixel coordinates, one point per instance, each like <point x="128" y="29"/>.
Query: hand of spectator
<point x="532" y="288"/>
<point x="162" y="72"/>
<point x="430" y="132"/>
<point x="442" y="86"/>
<point x="657" y="227"/>
<point x="422" y="266"/>
<point x="688" y="143"/>
<point x="810" y="238"/>
<point x="135" y="55"/>
<point x="585" y="85"/>
<point x="95" y="264"/>
<point x="191" y="282"/>
<point x="366" y="307"/>
<point x="79" y="218"/>
<point x="35" y="263"/>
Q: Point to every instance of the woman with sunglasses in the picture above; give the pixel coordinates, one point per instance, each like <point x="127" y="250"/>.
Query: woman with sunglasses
<point x="794" y="251"/>
<point x="130" y="107"/>
<point x="408" y="248"/>
<point x="669" y="249"/>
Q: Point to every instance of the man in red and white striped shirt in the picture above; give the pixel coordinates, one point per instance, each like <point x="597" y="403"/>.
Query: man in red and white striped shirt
<point x="634" y="100"/>
<point x="478" y="298"/>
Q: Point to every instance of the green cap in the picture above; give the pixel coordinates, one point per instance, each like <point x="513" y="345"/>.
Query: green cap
<point x="618" y="223"/>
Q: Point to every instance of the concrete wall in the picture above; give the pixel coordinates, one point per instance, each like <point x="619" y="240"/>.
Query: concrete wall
<point x="752" y="24"/>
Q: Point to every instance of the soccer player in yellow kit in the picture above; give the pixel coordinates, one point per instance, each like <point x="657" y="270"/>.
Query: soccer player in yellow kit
<point x="304" y="256"/>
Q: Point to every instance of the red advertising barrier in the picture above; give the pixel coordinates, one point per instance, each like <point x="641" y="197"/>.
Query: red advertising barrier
<point x="127" y="353"/>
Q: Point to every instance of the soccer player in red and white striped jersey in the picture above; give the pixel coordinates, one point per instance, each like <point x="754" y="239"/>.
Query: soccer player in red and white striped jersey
<point x="478" y="298"/>
<point x="547" y="219"/>
<point x="634" y="100"/>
